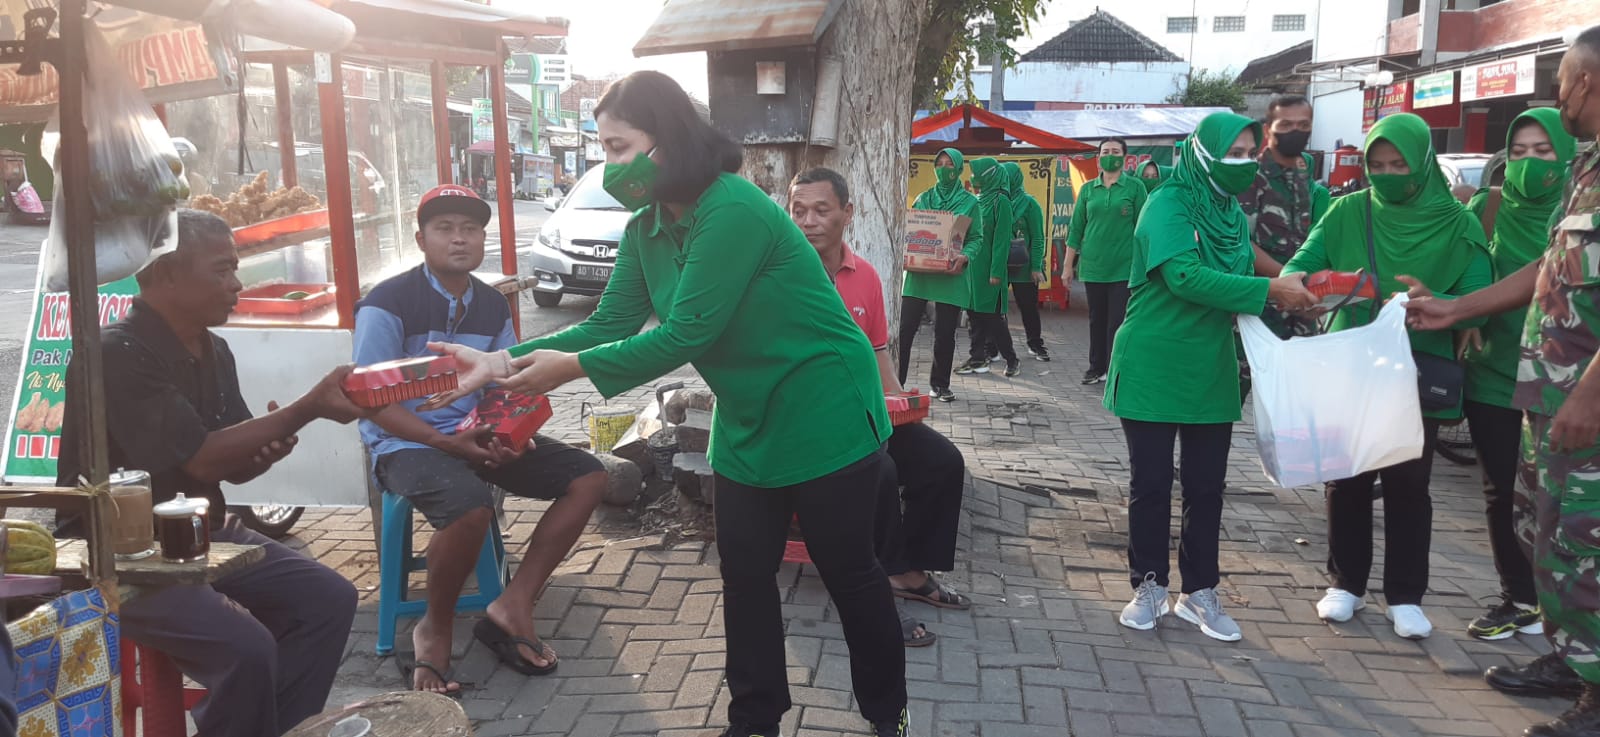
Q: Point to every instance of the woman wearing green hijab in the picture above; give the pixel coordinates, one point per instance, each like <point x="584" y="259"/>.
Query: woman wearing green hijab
<point x="1174" y="376"/>
<point x="1422" y="238"/>
<point x="990" y="239"/>
<point x="1538" y="151"/>
<point x="948" y="292"/>
<point x="1028" y="227"/>
<point x="1153" y="175"/>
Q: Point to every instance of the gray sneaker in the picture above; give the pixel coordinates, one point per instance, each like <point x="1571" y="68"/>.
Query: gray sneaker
<point x="1203" y="609"/>
<point x="1149" y="604"/>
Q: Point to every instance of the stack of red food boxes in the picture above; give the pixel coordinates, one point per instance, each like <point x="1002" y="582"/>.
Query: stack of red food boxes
<point x="514" y="417"/>
<point x="1342" y="287"/>
<point x="907" y="407"/>
<point x="383" y="384"/>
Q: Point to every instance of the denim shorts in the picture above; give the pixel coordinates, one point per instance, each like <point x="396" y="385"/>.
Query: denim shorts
<point x="444" y="488"/>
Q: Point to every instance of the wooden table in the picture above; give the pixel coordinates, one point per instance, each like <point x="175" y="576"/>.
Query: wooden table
<point x="153" y="572"/>
<point x="399" y="714"/>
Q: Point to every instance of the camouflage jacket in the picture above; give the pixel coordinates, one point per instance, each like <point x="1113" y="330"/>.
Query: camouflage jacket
<point x="1562" y="334"/>
<point x="1283" y="205"/>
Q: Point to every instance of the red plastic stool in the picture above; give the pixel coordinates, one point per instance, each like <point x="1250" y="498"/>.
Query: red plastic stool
<point x="1056" y="295"/>
<point x="794" y="551"/>
<point x="152" y="682"/>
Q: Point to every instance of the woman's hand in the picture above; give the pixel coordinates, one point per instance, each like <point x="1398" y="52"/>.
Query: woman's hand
<point x="542" y="371"/>
<point x="474" y="370"/>
<point x="994" y="280"/>
<point x="958" y="264"/>
<point x="1289" y="292"/>
<point x="1417" y="289"/>
<point x="1468" y="341"/>
<point x="1577" y="423"/>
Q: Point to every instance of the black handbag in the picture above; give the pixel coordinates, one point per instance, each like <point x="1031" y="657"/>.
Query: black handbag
<point x="1440" y="381"/>
<point x="1019" y="255"/>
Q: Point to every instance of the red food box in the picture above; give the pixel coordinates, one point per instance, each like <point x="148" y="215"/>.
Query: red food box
<point x="1335" y="287"/>
<point x="907" y="407"/>
<point x="390" y="382"/>
<point x="514" y="417"/>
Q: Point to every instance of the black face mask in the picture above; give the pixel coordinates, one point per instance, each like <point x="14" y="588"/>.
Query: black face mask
<point x="1291" y="143"/>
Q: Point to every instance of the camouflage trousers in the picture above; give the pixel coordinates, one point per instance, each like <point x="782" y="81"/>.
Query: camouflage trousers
<point x="1558" y="523"/>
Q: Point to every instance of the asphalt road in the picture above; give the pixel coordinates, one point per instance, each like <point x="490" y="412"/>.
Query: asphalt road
<point x="19" y="259"/>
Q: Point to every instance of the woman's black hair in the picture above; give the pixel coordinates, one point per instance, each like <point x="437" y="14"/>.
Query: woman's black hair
<point x="689" y="152"/>
<point x="1118" y="141"/>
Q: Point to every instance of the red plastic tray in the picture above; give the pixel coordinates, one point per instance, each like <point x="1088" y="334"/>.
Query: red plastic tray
<point x="907" y="407"/>
<point x="515" y="417"/>
<point x="383" y="384"/>
<point x="269" y="299"/>
<point x="268" y="229"/>
<point x="1332" y="287"/>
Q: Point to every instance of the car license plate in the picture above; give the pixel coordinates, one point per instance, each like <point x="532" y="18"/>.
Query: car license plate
<point x="592" y="273"/>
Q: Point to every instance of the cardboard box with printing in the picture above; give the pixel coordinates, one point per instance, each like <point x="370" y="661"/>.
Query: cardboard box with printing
<point x="934" y="239"/>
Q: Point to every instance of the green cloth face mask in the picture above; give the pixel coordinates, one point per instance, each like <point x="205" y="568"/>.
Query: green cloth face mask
<point x="633" y="183"/>
<point x="1112" y="163"/>
<point x="947" y="175"/>
<point x="1534" y="178"/>
<point x="1228" y="176"/>
<point x="1396" y="188"/>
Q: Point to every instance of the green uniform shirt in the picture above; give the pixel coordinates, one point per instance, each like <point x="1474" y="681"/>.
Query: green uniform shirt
<point x="1492" y="372"/>
<point x="1029" y="227"/>
<point x="1173" y="359"/>
<point x="742" y="296"/>
<point x="1102" y="228"/>
<point x="950" y="289"/>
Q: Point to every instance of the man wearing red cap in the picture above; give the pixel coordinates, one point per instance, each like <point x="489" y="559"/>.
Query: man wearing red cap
<point x="448" y="476"/>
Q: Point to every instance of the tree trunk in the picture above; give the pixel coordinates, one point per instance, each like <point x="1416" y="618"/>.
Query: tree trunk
<point x="876" y="41"/>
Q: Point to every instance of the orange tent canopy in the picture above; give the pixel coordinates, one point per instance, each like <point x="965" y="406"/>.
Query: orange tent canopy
<point x="972" y="139"/>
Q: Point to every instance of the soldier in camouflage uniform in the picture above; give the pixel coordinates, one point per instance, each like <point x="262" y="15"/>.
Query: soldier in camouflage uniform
<point x="1285" y="202"/>
<point x="1558" y="387"/>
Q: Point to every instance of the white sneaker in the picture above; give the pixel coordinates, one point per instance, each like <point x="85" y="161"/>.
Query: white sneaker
<point x="1410" y="622"/>
<point x="1339" y="605"/>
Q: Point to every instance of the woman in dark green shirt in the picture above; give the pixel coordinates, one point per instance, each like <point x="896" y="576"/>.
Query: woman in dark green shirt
<point x="1102" y="233"/>
<point x="800" y="419"/>
<point x="1174" y="376"/>
<point x="990" y="241"/>
<point x="948" y="292"/>
<point x="1028" y="228"/>
<point x="1421" y="238"/>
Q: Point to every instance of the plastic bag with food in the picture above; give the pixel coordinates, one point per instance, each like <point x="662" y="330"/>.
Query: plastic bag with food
<point x="137" y="178"/>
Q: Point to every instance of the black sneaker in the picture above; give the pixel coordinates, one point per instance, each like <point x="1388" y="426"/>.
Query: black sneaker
<point x="973" y="367"/>
<point x="1546" y="675"/>
<point x="749" y="730"/>
<point x="1582" y="720"/>
<point x="1093" y="377"/>
<point x="994" y="358"/>
<point x="1506" y="619"/>
<point x="893" y="727"/>
<point x="944" y="395"/>
<point x="1013" y="367"/>
<point x="1043" y="354"/>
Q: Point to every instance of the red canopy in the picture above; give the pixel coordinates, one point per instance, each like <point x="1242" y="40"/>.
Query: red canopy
<point x="969" y="140"/>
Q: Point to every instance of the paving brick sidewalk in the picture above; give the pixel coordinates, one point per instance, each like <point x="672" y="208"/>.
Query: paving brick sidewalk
<point x="638" y="625"/>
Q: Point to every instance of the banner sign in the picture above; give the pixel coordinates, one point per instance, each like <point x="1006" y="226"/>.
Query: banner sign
<point x="552" y="69"/>
<point x="1378" y="103"/>
<point x="482" y="119"/>
<point x="1433" y="90"/>
<point x="34" y="440"/>
<point x="1504" y="78"/>
<point x="520" y="69"/>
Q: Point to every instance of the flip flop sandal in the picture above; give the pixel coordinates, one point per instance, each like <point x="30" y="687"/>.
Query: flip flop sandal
<point x="935" y="593"/>
<point x="408" y="672"/>
<point x="908" y="632"/>
<point x="504" y="646"/>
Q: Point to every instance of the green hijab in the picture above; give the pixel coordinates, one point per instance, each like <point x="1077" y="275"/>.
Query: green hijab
<point x="1014" y="190"/>
<point x="993" y="184"/>
<point x="1220" y="226"/>
<point x="1163" y="173"/>
<point x="1423" y="235"/>
<point x="948" y="197"/>
<point x="1520" y="232"/>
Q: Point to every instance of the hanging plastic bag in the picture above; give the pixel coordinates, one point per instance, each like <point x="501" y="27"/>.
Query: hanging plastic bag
<point x="1334" y="406"/>
<point x="136" y="178"/>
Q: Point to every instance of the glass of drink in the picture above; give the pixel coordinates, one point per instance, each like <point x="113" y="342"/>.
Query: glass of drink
<point x="133" y="525"/>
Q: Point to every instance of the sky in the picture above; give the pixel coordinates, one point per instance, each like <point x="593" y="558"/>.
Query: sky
<point x="601" y="37"/>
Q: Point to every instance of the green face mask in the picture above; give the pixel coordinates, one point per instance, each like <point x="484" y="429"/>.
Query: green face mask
<point x="1112" y="163"/>
<point x="633" y="183"/>
<point x="1534" y="178"/>
<point x="947" y="175"/>
<point x="1396" y="188"/>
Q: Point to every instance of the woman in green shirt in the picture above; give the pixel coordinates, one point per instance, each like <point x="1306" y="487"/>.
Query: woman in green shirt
<point x="1174" y="376"/>
<point x="1152" y="175"/>
<point x="948" y="292"/>
<point x="1421" y="238"/>
<point x="1102" y="233"/>
<point x="990" y="240"/>
<point x="1538" y="151"/>
<point x="1028" y="229"/>
<point x="800" y="419"/>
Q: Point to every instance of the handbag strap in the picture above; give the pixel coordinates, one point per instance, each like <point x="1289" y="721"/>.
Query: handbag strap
<point x="1372" y="260"/>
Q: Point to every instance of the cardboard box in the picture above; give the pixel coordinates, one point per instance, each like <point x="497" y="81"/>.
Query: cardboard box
<point x="514" y="417"/>
<point x="933" y="240"/>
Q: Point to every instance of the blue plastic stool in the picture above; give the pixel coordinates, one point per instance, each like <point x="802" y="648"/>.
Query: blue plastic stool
<point x="396" y="562"/>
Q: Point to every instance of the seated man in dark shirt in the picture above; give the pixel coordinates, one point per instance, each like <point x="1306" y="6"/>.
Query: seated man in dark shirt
<point x="450" y="476"/>
<point x="265" y="641"/>
<point x="921" y="537"/>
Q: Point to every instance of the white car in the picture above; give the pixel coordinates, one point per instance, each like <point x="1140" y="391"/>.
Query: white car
<point x="577" y="247"/>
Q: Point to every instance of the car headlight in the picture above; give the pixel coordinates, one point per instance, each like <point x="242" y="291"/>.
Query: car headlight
<point x="550" y="237"/>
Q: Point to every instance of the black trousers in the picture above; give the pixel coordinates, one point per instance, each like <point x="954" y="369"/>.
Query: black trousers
<point x="836" y="514"/>
<point x="944" y="338"/>
<point x="920" y="508"/>
<point x="1407" y="517"/>
<point x="1108" y="305"/>
<point x="1027" y="296"/>
<point x="987" y="328"/>
<point x="1497" y="434"/>
<point x="1204" y="463"/>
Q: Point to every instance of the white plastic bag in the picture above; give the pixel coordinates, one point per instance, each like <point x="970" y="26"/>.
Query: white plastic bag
<point x="1334" y="406"/>
<point x="136" y="178"/>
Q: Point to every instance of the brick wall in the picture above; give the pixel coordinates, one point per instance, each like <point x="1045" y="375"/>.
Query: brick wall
<point x="1503" y="23"/>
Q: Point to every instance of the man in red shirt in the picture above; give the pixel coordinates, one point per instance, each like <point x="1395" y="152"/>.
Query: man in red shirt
<point x="931" y="472"/>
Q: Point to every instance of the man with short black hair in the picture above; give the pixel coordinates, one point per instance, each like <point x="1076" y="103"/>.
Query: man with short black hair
<point x="1286" y="200"/>
<point x="265" y="641"/>
<point x="922" y="538"/>
<point x="450" y="476"/>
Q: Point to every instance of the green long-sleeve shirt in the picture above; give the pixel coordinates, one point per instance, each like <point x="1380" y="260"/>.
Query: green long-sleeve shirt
<point x="743" y="296"/>
<point x="992" y="245"/>
<point x="950" y="289"/>
<point x="1102" y="228"/>
<point x="1029" y="226"/>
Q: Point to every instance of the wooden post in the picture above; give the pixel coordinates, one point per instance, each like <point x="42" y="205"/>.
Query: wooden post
<point x="503" y="185"/>
<point x="341" y="210"/>
<point x="83" y="292"/>
<point x="284" y="105"/>
<point x="441" y="123"/>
